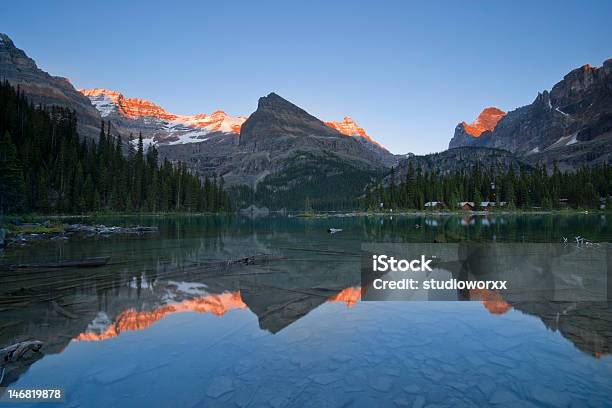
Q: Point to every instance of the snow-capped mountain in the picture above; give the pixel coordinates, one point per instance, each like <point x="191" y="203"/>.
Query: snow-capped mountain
<point x="350" y="128"/>
<point x="136" y="115"/>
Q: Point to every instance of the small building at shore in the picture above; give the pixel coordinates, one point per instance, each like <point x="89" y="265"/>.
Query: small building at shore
<point x="487" y="205"/>
<point x="434" y="205"/>
<point x="466" y="205"/>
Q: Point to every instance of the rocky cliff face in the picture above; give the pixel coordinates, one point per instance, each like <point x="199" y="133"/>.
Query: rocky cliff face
<point x="466" y="134"/>
<point x="44" y="89"/>
<point x="485" y="122"/>
<point x="135" y="115"/>
<point x="571" y="124"/>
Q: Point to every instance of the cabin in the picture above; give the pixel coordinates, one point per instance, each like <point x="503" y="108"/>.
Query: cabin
<point x="487" y="205"/>
<point x="434" y="205"/>
<point x="466" y="205"/>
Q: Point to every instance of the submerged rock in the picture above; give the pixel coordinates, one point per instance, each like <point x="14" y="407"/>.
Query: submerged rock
<point x="382" y="383"/>
<point x="115" y="374"/>
<point x="220" y="386"/>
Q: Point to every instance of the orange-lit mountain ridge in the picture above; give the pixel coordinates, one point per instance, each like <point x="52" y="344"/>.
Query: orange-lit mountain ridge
<point x="133" y="320"/>
<point x="486" y="121"/>
<point x="349" y="127"/>
<point x="136" y="115"/>
<point x="467" y="133"/>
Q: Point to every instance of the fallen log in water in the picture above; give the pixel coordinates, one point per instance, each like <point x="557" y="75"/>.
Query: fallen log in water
<point x="71" y="263"/>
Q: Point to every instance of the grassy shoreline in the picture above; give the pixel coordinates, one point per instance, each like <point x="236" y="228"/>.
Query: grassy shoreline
<point x="34" y="217"/>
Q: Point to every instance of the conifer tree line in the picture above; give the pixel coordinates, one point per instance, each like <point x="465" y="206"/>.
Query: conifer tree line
<point x="524" y="188"/>
<point x="46" y="167"/>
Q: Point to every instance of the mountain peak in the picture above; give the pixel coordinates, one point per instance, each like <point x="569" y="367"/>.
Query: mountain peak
<point x="6" y="40"/>
<point x="349" y="127"/>
<point x="274" y="100"/>
<point x="276" y="117"/>
<point x="486" y="121"/>
<point x="43" y="89"/>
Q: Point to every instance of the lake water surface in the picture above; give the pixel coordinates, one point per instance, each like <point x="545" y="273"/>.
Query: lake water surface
<point x="177" y="319"/>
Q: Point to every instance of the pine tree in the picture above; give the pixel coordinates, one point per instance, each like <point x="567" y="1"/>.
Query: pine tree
<point x="11" y="176"/>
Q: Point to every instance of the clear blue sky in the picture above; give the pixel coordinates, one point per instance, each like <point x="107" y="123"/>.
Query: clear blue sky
<point x="408" y="72"/>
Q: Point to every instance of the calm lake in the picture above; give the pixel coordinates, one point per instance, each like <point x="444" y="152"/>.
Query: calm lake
<point x="179" y="319"/>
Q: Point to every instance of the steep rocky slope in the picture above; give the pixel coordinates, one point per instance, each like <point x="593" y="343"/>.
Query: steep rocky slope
<point x="466" y="134"/>
<point x="44" y="89"/>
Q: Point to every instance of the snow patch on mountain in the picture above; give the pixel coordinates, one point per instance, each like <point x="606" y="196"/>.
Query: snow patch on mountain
<point x="158" y="126"/>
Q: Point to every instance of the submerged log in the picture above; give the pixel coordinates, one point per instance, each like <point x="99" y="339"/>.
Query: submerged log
<point x="71" y="263"/>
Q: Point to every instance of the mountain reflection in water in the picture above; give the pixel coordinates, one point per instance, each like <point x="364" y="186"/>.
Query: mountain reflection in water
<point x="220" y="304"/>
<point x="300" y="277"/>
<point x="131" y="319"/>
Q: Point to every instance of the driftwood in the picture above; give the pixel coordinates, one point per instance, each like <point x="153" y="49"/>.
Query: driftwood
<point x="14" y="352"/>
<point x="83" y="263"/>
<point x="104" y="230"/>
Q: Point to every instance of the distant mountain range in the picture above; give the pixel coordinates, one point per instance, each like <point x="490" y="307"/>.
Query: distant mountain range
<point x="158" y="126"/>
<point x="288" y="156"/>
<point x="280" y="148"/>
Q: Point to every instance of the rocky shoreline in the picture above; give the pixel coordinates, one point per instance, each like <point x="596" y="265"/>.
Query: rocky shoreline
<point x="23" y="233"/>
